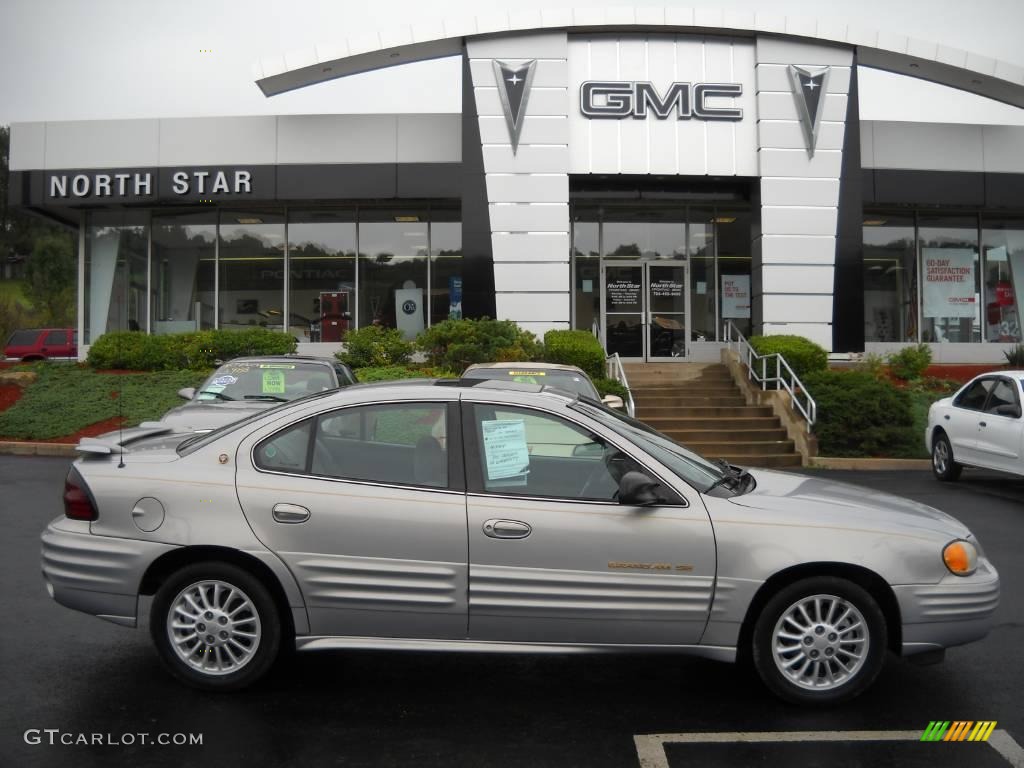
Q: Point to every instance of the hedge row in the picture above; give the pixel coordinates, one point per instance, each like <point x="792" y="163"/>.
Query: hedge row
<point x="133" y="350"/>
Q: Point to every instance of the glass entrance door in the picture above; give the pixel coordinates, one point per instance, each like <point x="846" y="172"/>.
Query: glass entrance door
<point x="644" y="309"/>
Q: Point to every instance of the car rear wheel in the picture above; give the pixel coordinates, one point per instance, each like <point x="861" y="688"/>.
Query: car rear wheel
<point x="943" y="465"/>
<point x="819" y="641"/>
<point x="215" y="626"/>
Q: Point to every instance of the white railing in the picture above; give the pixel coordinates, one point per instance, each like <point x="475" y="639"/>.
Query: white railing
<point x="615" y="371"/>
<point x="773" y="368"/>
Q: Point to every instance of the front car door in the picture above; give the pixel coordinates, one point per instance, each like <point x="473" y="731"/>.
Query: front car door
<point x="960" y="422"/>
<point x="1000" y="433"/>
<point x="365" y="504"/>
<point x="555" y="558"/>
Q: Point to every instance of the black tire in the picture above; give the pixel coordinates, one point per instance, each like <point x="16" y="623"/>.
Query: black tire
<point x="944" y="467"/>
<point x="808" y="692"/>
<point x="263" y="652"/>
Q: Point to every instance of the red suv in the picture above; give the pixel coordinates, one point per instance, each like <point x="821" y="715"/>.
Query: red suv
<point x="42" y="343"/>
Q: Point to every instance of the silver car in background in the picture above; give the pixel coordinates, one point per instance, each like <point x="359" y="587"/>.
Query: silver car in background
<point x="495" y="516"/>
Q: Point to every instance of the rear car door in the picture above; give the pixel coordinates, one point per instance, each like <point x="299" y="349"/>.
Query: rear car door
<point x="553" y="557"/>
<point x="961" y="421"/>
<point x="366" y="506"/>
<point x="1000" y="433"/>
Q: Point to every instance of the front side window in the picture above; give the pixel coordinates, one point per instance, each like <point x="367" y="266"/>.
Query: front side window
<point x="394" y="443"/>
<point x="56" y="338"/>
<point x="529" y="453"/>
<point x="973" y="398"/>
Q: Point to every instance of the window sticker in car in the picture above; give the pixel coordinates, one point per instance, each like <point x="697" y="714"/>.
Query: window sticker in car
<point x="287" y="366"/>
<point x="238" y="368"/>
<point x="505" y="450"/>
<point x="526" y="373"/>
<point x="223" y="381"/>
<point x="273" y="382"/>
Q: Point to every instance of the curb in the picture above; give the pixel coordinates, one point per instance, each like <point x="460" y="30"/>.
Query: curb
<point x="838" y="462"/>
<point x="25" y="448"/>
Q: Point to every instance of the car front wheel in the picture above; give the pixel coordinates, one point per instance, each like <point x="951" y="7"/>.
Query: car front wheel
<point x="821" y="640"/>
<point x="215" y="626"/>
<point x="943" y="465"/>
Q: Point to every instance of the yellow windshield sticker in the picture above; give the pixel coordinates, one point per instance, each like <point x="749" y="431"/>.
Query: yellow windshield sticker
<point x="273" y="382"/>
<point x="526" y="373"/>
<point x="288" y="366"/>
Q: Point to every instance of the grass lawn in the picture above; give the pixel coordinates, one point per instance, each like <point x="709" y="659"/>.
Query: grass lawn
<point x="67" y="398"/>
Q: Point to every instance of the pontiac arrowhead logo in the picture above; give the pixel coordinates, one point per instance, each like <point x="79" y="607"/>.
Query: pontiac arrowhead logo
<point x="514" y="89"/>
<point x="809" y="87"/>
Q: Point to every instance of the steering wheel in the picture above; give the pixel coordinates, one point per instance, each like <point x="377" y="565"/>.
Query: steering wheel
<point x="600" y="470"/>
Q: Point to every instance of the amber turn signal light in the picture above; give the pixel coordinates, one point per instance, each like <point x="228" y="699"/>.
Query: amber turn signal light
<point x="960" y="557"/>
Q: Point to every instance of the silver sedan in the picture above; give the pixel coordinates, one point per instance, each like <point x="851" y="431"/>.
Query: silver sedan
<point x="495" y="516"/>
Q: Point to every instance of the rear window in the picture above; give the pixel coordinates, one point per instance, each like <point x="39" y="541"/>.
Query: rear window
<point x="23" y="338"/>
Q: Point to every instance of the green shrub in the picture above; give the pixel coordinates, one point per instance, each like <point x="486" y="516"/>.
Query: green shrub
<point x="389" y="373"/>
<point x="872" y="363"/>
<point x="860" y="415"/>
<point x="375" y="346"/>
<point x="579" y="348"/>
<point x="455" y="344"/>
<point x="610" y="387"/>
<point x="803" y="355"/>
<point x="137" y="351"/>
<point x="1015" y="357"/>
<point x="910" y="362"/>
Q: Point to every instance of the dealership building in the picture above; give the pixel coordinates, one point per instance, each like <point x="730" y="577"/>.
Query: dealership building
<point x="650" y="175"/>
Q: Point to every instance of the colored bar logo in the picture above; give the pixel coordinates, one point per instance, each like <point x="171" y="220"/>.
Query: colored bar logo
<point x="958" y="730"/>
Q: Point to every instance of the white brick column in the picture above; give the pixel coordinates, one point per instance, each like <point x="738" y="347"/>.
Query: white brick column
<point x="527" y="192"/>
<point x="795" y="250"/>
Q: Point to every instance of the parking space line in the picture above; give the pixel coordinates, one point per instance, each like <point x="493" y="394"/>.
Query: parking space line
<point x="650" y="748"/>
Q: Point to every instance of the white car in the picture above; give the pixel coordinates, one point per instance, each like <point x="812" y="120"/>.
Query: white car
<point x="979" y="426"/>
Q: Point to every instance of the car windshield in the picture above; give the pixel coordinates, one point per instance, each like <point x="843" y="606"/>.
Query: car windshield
<point x="571" y="381"/>
<point x="691" y="467"/>
<point x="273" y="381"/>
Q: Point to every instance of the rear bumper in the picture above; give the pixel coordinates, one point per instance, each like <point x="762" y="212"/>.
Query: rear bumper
<point x="955" y="611"/>
<point x="98" y="575"/>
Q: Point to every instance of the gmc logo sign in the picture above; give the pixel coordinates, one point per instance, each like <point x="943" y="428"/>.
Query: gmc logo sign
<point x="617" y="100"/>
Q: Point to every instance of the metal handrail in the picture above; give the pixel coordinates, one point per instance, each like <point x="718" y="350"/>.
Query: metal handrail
<point x="615" y="371"/>
<point x="784" y="376"/>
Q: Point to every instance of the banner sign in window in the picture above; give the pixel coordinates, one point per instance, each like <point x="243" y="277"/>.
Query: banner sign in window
<point x="273" y="382"/>
<point x="949" y="282"/>
<point x="736" y="296"/>
<point x="505" y="451"/>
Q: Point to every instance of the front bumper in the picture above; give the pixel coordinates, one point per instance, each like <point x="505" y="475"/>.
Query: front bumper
<point x="98" y="575"/>
<point x="955" y="611"/>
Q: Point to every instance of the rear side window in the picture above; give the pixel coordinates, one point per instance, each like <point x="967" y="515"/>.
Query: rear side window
<point x="56" y="337"/>
<point x="393" y="443"/>
<point x="973" y="398"/>
<point x="23" y="338"/>
<point x="286" y="451"/>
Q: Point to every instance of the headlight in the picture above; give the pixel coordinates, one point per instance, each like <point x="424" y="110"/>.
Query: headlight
<point x="961" y="557"/>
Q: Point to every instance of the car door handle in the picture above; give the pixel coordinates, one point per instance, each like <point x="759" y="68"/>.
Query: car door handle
<point x="290" y="513"/>
<point x="506" y="529"/>
<point x="982" y="424"/>
<point x="946" y="417"/>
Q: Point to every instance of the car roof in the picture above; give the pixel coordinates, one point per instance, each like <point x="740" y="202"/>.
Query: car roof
<point x="432" y="385"/>
<point x="284" y="359"/>
<point x="527" y="366"/>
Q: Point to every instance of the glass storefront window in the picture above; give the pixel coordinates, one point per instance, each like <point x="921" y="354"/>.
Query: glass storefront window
<point x="322" y="274"/>
<point x="701" y="248"/>
<point x="951" y="280"/>
<point x="732" y="229"/>
<point x="116" y="256"/>
<point x="645" y="234"/>
<point x="251" y="263"/>
<point x="587" y="275"/>
<point x="445" y="265"/>
<point x="182" y="281"/>
<point x="890" y="278"/>
<point x="1003" y="246"/>
<point x="393" y="249"/>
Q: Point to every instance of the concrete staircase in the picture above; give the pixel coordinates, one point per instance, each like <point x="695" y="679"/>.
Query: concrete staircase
<point x="701" y="406"/>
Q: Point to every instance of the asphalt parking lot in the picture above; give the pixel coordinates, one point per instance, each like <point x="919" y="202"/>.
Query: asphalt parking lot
<point x="64" y="670"/>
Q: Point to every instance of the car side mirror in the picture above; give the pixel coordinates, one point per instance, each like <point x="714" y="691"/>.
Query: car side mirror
<point x="187" y="393"/>
<point x="1009" y="409"/>
<point x="613" y="401"/>
<point x="637" y="490"/>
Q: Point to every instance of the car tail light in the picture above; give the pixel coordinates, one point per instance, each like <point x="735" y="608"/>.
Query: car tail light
<point x="78" y="503"/>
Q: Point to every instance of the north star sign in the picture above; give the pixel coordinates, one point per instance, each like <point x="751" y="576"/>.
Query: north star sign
<point x="615" y="100"/>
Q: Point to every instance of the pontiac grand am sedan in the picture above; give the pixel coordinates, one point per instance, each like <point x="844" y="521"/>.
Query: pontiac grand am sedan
<point x="498" y="516"/>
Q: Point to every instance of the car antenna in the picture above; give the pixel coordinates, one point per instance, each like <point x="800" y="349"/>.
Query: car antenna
<point x="120" y="409"/>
